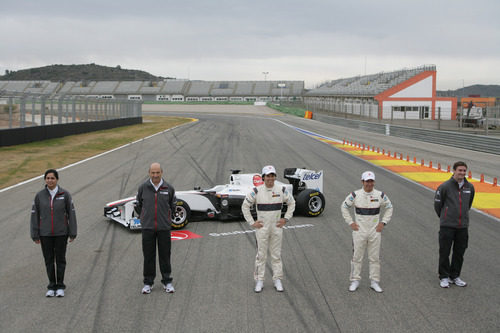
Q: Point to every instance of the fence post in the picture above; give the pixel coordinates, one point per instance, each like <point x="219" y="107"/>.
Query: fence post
<point x="60" y="110"/>
<point x="33" y="111"/>
<point x="42" y="111"/>
<point x="73" y="110"/>
<point x="439" y="118"/>
<point x="486" y="125"/>
<point x="86" y="109"/>
<point x="10" y="111"/>
<point x="22" y="112"/>
<point x="461" y="116"/>
<point x="51" y="111"/>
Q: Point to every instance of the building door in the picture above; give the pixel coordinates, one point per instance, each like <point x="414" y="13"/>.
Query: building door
<point x="424" y="112"/>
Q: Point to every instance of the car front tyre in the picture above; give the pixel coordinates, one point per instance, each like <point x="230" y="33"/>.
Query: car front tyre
<point x="181" y="216"/>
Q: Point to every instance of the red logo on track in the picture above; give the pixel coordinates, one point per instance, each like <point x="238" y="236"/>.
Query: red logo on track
<point x="181" y="235"/>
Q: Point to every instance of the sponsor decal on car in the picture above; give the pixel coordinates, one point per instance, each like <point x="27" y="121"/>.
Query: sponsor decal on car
<point x="257" y="180"/>
<point x="311" y="176"/>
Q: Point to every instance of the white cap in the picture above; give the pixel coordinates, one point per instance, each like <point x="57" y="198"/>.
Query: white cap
<point x="367" y="175"/>
<point x="267" y="170"/>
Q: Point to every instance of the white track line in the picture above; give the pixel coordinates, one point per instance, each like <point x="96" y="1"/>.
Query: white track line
<point x="91" y="158"/>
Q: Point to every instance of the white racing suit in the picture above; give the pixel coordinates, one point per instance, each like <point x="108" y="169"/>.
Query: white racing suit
<point x="367" y="216"/>
<point x="268" y="203"/>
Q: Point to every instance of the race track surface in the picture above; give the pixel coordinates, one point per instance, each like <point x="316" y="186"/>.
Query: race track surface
<point x="213" y="273"/>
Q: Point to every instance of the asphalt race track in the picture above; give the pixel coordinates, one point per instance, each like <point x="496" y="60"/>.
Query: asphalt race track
<point x="213" y="274"/>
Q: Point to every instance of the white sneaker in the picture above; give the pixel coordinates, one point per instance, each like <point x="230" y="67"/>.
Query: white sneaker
<point x="278" y="285"/>
<point x="444" y="283"/>
<point x="147" y="289"/>
<point x="354" y="285"/>
<point x="458" y="282"/>
<point x="375" y="286"/>
<point x="258" y="286"/>
<point x="60" y="292"/>
<point x="50" y="293"/>
<point x="169" y="288"/>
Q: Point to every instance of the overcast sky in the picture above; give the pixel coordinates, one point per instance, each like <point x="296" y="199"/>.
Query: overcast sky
<point x="310" y="40"/>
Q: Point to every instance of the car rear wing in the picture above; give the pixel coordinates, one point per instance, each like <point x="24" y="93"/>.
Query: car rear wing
<point x="302" y="179"/>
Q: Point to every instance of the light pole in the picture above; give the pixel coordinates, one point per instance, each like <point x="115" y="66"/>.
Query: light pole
<point x="265" y="75"/>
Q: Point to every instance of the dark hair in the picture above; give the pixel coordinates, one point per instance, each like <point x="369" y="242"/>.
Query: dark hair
<point x="51" y="171"/>
<point x="458" y="164"/>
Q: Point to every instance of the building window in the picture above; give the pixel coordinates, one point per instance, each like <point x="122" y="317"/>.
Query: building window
<point x="423" y="111"/>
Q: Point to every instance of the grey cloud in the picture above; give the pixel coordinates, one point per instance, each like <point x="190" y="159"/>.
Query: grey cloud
<point x="46" y="32"/>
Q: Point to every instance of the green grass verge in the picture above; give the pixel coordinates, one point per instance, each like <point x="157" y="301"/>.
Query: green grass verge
<point x="297" y="111"/>
<point x="29" y="160"/>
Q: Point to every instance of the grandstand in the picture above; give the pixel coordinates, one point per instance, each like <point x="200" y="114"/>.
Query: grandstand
<point x="167" y="90"/>
<point x="368" y="85"/>
<point x="401" y="94"/>
<point x="34" y="87"/>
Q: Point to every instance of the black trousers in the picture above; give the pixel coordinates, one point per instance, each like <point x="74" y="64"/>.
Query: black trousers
<point x="457" y="239"/>
<point x="54" y="253"/>
<point x="150" y="239"/>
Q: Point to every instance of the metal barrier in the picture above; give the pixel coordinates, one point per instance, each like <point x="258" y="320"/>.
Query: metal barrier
<point x="487" y="144"/>
<point x="19" y="110"/>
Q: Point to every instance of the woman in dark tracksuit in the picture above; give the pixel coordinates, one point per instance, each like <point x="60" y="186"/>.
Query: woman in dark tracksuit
<point x="53" y="220"/>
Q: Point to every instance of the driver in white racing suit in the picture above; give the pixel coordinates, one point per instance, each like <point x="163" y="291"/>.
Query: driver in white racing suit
<point x="268" y="200"/>
<point x="366" y="228"/>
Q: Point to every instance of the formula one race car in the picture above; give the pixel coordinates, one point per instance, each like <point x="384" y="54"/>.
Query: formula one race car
<point x="223" y="202"/>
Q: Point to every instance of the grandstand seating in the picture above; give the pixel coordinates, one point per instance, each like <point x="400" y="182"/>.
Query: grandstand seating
<point x="199" y="88"/>
<point x="151" y="87"/>
<point x="174" y="87"/>
<point x="280" y="91"/>
<point x="367" y="85"/>
<point x="128" y="87"/>
<point x="105" y="87"/>
<point x="82" y="87"/>
<point x="167" y="90"/>
<point x="66" y="88"/>
<point x="262" y="88"/>
<point x="16" y="85"/>
<point x="222" y="92"/>
<point x="244" y="88"/>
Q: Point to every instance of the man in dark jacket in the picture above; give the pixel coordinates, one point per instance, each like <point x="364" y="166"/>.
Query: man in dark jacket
<point x="452" y="202"/>
<point x="156" y="202"/>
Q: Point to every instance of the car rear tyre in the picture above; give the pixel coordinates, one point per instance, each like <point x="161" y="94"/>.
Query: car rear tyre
<point x="181" y="215"/>
<point x="310" y="203"/>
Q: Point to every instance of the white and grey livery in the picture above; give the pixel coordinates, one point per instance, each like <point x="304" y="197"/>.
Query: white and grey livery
<point x="223" y="202"/>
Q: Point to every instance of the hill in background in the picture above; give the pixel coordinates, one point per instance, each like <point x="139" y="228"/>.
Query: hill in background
<point x="78" y="73"/>
<point x="482" y="90"/>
